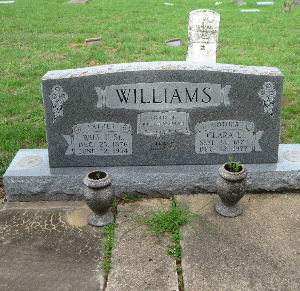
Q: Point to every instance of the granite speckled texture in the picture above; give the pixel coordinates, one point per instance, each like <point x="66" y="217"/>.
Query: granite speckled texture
<point x="44" y="183"/>
<point x="162" y="113"/>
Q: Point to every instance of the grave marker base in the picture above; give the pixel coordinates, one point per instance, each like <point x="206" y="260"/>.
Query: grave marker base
<point x="29" y="177"/>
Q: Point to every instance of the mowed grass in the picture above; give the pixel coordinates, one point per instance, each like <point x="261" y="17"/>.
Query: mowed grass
<point x="41" y="35"/>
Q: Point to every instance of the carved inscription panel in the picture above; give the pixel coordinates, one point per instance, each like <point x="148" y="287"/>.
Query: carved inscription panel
<point x="163" y="95"/>
<point x="161" y="123"/>
<point x="226" y="137"/>
<point x="100" y="139"/>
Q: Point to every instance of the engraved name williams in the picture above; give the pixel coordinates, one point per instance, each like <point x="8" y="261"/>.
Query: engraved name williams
<point x="167" y="94"/>
<point x="185" y="95"/>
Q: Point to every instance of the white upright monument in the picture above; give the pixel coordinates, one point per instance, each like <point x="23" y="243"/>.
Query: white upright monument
<point x="203" y="34"/>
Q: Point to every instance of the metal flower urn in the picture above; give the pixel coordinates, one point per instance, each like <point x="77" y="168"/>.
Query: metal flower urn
<point x="99" y="196"/>
<point x="231" y="187"/>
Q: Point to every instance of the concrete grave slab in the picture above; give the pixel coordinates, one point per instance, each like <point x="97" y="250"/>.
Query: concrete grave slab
<point x="139" y="260"/>
<point x="258" y="250"/>
<point x="49" y="246"/>
<point x="162" y="113"/>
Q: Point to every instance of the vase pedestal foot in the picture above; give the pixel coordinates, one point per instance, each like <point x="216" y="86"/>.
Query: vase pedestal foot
<point x="229" y="211"/>
<point x="100" y="220"/>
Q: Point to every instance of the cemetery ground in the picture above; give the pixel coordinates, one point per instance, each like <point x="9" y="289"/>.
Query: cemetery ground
<point x="49" y="246"/>
<point x="39" y="36"/>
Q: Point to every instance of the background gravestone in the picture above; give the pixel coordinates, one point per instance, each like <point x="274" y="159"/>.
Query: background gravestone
<point x="162" y="113"/>
<point x="240" y="2"/>
<point x="203" y="34"/>
<point x="250" y="10"/>
<point x="267" y="3"/>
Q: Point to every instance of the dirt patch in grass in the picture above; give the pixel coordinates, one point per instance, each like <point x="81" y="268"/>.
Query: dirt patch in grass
<point x="94" y="63"/>
<point x="76" y="44"/>
<point x="288" y="101"/>
<point x="2" y="193"/>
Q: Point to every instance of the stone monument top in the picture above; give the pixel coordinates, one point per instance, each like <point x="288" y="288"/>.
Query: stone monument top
<point x="162" y="113"/>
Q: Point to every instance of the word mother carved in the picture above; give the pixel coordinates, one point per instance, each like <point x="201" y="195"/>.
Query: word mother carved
<point x="162" y="113"/>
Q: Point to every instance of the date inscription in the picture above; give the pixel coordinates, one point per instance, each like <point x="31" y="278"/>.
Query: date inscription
<point x="226" y="137"/>
<point x="100" y="139"/>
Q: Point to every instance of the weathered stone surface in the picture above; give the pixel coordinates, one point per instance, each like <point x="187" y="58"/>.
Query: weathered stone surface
<point x="240" y="2"/>
<point x="174" y="42"/>
<point x="93" y="41"/>
<point x="49" y="246"/>
<point x="44" y="183"/>
<point x="139" y="259"/>
<point x="203" y="32"/>
<point x="162" y="113"/>
<point x="265" y="3"/>
<point x="258" y="250"/>
<point x="250" y="10"/>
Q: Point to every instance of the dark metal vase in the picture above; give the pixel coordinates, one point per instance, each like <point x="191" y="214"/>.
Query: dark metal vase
<point x="99" y="196"/>
<point x="231" y="187"/>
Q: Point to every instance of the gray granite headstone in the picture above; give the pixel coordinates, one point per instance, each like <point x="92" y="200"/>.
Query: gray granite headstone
<point x="162" y="113"/>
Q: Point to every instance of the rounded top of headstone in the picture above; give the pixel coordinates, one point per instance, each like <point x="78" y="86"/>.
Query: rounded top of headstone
<point x="202" y="11"/>
<point x="161" y="66"/>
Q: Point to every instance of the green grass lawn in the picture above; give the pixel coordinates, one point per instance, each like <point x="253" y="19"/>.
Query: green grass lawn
<point x="41" y="35"/>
